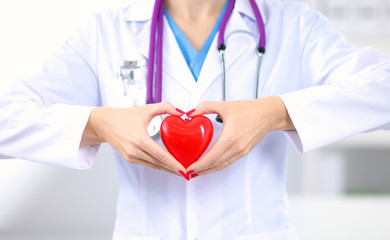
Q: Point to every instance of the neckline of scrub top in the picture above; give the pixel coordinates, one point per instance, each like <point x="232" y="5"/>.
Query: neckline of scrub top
<point x="193" y="58"/>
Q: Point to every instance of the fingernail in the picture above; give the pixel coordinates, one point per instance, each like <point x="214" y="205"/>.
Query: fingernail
<point x="190" y="172"/>
<point x="184" y="175"/>
<point x="194" y="175"/>
<point x="190" y="112"/>
<point x="180" y="111"/>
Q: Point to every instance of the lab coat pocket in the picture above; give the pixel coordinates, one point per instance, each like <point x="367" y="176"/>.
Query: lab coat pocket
<point x="128" y="88"/>
<point x="117" y="236"/>
<point x="288" y="234"/>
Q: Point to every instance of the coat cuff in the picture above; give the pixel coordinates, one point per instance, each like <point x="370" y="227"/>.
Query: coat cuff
<point x="79" y="157"/>
<point x="303" y="138"/>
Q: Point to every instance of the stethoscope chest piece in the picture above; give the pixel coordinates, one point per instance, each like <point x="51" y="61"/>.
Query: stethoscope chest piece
<point x="154" y="127"/>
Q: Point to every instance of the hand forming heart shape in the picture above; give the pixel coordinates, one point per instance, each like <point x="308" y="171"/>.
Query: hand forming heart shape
<point x="186" y="139"/>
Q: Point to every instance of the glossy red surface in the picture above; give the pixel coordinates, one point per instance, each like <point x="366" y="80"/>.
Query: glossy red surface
<point x="186" y="139"/>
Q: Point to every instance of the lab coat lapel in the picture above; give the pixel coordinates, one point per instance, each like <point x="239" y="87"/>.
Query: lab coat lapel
<point x="142" y="40"/>
<point x="140" y="13"/>
<point x="174" y="64"/>
<point x="239" y="39"/>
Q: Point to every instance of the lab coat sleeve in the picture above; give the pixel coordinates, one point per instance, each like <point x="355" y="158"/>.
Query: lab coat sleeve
<point x="347" y="89"/>
<point x="42" y="119"/>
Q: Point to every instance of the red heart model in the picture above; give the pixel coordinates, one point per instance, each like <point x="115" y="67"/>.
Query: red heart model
<point x="186" y="139"/>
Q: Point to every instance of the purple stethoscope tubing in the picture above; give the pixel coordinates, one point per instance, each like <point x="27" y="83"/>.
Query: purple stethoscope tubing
<point x="156" y="26"/>
<point x="157" y="29"/>
<point x="225" y="19"/>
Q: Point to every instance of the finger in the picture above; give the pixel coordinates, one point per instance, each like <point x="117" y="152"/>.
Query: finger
<point x="166" y="108"/>
<point x="233" y="153"/>
<point x="212" y="156"/>
<point x="225" y="149"/>
<point x="227" y="159"/>
<point x="140" y="154"/>
<point x="216" y="169"/>
<point x="206" y="108"/>
<point x="151" y="165"/>
<point x="160" y="153"/>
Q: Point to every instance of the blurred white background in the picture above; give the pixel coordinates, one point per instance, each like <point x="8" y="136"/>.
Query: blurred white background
<point x="340" y="192"/>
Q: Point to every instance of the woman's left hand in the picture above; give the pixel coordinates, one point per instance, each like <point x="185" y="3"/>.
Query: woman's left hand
<point x="245" y="124"/>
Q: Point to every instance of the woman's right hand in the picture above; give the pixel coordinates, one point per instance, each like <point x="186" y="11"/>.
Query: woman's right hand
<point x="125" y="130"/>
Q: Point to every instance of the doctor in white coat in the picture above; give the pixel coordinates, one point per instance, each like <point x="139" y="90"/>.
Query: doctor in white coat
<point x="315" y="89"/>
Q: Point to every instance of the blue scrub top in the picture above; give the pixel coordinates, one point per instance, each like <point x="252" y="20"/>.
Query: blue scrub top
<point x="194" y="58"/>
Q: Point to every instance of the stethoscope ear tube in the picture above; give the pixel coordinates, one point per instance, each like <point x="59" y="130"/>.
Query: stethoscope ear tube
<point x="259" y="64"/>
<point x="222" y="47"/>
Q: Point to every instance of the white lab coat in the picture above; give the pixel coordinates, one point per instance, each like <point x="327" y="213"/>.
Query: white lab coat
<point x="331" y="90"/>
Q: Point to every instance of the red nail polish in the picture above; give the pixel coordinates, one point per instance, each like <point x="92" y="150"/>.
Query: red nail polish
<point x="190" y="112"/>
<point x="194" y="175"/>
<point x="184" y="175"/>
<point x="180" y="111"/>
<point x="190" y="172"/>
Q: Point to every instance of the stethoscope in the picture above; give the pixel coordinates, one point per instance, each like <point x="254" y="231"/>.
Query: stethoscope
<point x="153" y="95"/>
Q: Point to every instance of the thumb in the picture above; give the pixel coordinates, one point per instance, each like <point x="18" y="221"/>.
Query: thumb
<point x="165" y="108"/>
<point x="208" y="108"/>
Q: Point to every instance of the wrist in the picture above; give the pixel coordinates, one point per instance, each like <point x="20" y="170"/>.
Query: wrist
<point x="91" y="134"/>
<point x="279" y="117"/>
